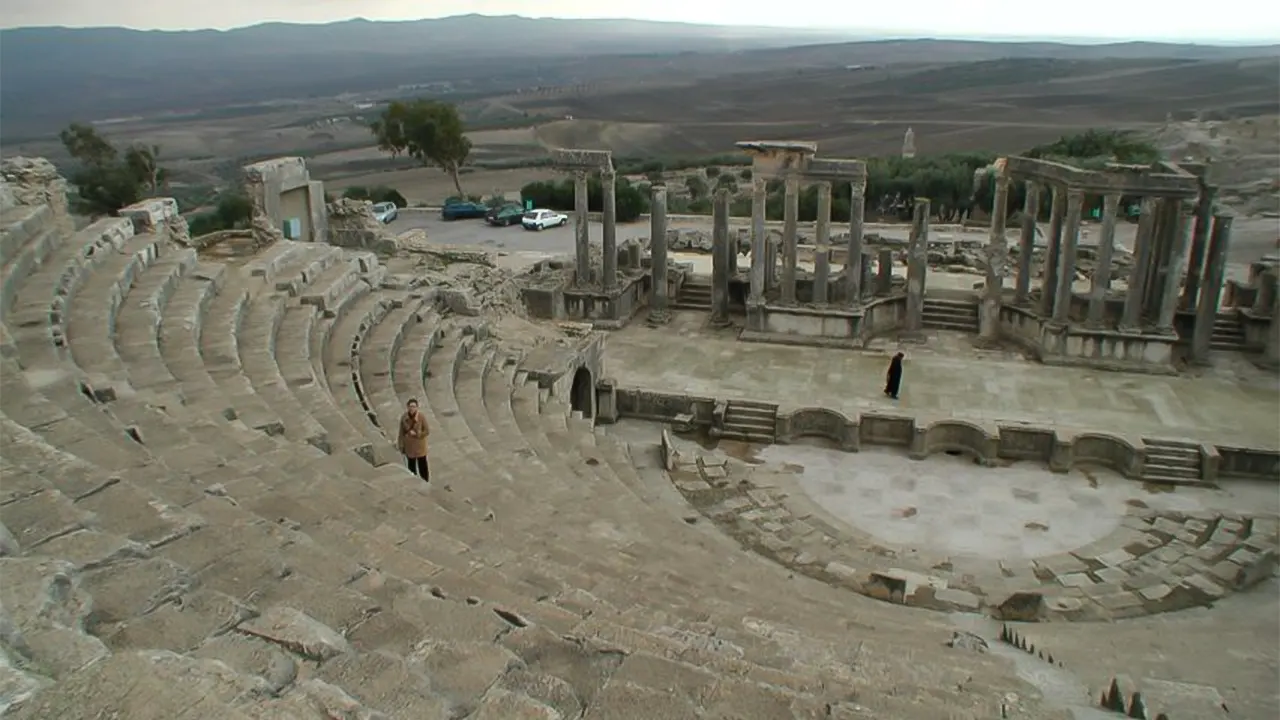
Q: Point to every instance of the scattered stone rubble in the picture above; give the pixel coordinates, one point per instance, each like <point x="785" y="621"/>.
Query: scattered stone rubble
<point x="352" y="225"/>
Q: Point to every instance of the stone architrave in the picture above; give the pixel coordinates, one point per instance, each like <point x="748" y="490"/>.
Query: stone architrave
<point x="1067" y="257"/>
<point x="1181" y="236"/>
<point x="1049" y="276"/>
<point x="581" y="236"/>
<point x="821" y="250"/>
<point x="853" y="258"/>
<point x="1027" y="243"/>
<point x="997" y="253"/>
<point x="884" y="272"/>
<point x="790" y="230"/>
<point x="1100" y="284"/>
<point x="917" y="266"/>
<point x="720" y="258"/>
<point x="1143" y="251"/>
<point x="1214" y="273"/>
<point x="759" y="242"/>
<point x="609" y="242"/>
<point x="658" y="301"/>
<point x="1199" y="245"/>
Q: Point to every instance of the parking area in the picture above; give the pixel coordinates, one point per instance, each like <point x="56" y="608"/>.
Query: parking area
<point x="515" y="238"/>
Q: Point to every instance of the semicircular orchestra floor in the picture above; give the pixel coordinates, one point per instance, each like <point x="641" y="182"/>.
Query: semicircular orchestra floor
<point x="1018" y="542"/>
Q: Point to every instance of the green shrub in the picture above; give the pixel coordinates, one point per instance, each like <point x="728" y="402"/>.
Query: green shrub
<point x="629" y="202"/>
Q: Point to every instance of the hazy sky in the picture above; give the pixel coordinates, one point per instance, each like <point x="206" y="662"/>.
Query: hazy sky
<point x="1226" y="20"/>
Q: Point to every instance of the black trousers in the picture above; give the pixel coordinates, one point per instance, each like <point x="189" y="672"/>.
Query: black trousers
<point x="419" y="466"/>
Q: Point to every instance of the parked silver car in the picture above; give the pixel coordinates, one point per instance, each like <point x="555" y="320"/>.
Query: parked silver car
<point x="385" y="212"/>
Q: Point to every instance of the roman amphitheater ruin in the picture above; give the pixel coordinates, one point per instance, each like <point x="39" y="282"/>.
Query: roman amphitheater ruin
<point x="655" y="493"/>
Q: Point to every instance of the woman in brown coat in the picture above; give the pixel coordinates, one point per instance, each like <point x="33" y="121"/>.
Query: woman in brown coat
<point x="413" y="440"/>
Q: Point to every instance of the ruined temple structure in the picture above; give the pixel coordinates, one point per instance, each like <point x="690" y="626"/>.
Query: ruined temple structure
<point x="1158" y="318"/>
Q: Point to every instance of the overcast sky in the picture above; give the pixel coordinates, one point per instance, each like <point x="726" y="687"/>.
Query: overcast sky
<point x="1224" y="20"/>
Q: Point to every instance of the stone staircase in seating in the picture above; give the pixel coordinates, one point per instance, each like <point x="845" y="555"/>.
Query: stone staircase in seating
<point x="1173" y="462"/>
<point x="202" y="516"/>
<point x="958" y="315"/>
<point x="750" y="421"/>
<point x="1227" y="334"/>
<point x="695" y="294"/>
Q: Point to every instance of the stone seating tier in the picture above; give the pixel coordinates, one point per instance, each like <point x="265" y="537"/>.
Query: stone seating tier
<point x="202" y="537"/>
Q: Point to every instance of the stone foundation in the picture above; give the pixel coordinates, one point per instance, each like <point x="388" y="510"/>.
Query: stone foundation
<point x="1103" y="349"/>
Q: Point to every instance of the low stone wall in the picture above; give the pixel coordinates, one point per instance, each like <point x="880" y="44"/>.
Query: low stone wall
<point x="1084" y="347"/>
<point x="1058" y="449"/>
<point x="606" y="310"/>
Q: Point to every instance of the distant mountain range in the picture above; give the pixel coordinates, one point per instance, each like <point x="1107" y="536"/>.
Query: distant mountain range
<point x="51" y="76"/>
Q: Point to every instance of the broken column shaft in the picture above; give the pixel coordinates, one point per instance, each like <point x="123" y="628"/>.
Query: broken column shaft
<point x="790" y="230"/>
<point x="720" y="258"/>
<point x="1027" y="244"/>
<point x="997" y="256"/>
<point x="658" y="254"/>
<point x="1100" y="284"/>
<point x="821" y="251"/>
<point x="853" y="258"/>
<point x="581" y="236"/>
<point x="917" y="266"/>
<point x="609" y="243"/>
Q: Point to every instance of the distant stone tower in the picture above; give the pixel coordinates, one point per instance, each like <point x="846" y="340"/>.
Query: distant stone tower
<point x="909" y="144"/>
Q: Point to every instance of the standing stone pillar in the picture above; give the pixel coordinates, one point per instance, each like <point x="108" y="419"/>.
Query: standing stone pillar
<point x="1027" y="243"/>
<point x="1207" y="303"/>
<point x="658" y="254"/>
<point x="884" y="272"/>
<point x="1067" y="257"/>
<point x="1271" y="352"/>
<point x="1199" y="244"/>
<point x="917" y="266"/>
<point x="720" y="258"/>
<point x="1101" y="281"/>
<point x="581" y="238"/>
<point x="759" y="242"/>
<point x="1166" y="230"/>
<point x="1267" y="290"/>
<point x="822" y="253"/>
<point x="790" y="222"/>
<point x="609" y="245"/>
<point x="1049" y="279"/>
<point x="853" y="258"/>
<point x="771" y="266"/>
<point x="1142" y="251"/>
<point x="997" y="257"/>
<point x="1181" y="235"/>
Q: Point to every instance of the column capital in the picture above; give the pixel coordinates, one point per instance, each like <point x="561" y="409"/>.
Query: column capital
<point x="1075" y="195"/>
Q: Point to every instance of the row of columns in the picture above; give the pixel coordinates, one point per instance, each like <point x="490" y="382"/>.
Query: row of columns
<point x="1164" y="228"/>
<point x="581" y="231"/>
<point x="763" y="265"/>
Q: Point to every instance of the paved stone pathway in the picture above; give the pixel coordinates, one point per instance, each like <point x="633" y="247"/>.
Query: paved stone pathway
<point x="1230" y="404"/>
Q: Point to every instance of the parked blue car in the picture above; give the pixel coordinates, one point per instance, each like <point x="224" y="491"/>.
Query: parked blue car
<point x="458" y="209"/>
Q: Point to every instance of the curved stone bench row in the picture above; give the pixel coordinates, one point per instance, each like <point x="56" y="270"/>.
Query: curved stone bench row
<point x="1157" y="561"/>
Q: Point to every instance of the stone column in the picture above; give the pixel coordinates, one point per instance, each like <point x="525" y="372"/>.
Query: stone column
<point x="997" y="256"/>
<point x="581" y="236"/>
<point x="1027" y="243"/>
<point x="1067" y="257"/>
<point x="1049" y="281"/>
<point x="720" y="258"/>
<point x="658" y="254"/>
<point x="884" y="273"/>
<point x="609" y="245"/>
<point x="1271" y="352"/>
<point x="1199" y="244"/>
<point x="853" y="260"/>
<point x="917" y="266"/>
<point x="1181" y="235"/>
<point x="1267" y="290"/>
<point x="1101" y="281"/>
<point x="758" y="241"/>
<point x="790" y="221"/>
<point x="1142" y="251"/>
<point x="771" y="264"/>
<point x="822" y="253"/>
<point x="1207" y="302"/>
<point x="1166" y="228"/>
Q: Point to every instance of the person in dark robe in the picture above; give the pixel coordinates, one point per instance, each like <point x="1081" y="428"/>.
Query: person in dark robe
<point x="894" y="380"/>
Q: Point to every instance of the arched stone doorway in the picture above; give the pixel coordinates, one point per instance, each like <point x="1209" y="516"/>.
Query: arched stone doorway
<point x="582" y="396"/>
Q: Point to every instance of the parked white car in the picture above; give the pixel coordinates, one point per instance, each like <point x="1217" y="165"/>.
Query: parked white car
<point x="543" y="219"/>
<point x="385" y="212"/>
